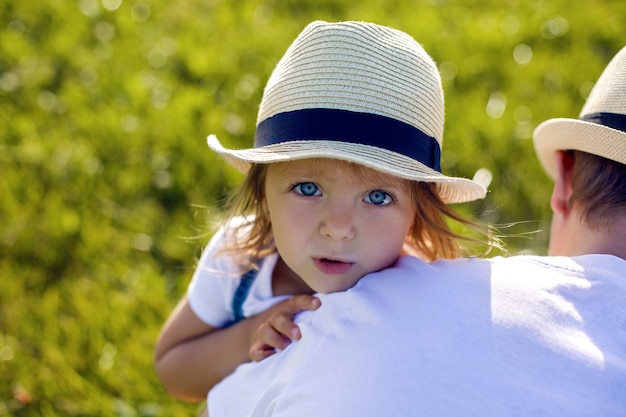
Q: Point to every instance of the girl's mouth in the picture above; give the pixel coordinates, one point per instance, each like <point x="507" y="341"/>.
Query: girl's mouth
<point x="332" y="266"/>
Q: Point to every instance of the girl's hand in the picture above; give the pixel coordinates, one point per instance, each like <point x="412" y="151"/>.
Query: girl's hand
<point x="279" y="330"/>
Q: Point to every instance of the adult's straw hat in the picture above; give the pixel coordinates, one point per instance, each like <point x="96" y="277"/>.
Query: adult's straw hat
<point x="601" y="126"/>
<point x="359" y="92"/>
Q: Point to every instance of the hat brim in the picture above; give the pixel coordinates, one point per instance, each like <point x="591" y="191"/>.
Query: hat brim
<point x="574" y="134"/>
<point x="450" y="189"/>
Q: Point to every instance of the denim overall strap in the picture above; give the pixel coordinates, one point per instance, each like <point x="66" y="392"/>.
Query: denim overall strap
<point x="241" y="293"/>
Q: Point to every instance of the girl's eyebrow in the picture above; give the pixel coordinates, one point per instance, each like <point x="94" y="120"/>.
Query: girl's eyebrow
<point x="358" y="177"/>
<point x="304" y="172"/>
<point x="355" y="180"/>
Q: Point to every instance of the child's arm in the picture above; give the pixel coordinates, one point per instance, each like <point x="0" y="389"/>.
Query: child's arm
<point x="191" y="356"/>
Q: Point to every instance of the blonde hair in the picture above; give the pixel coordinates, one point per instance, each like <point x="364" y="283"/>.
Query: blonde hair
<point x="430" y="237"/>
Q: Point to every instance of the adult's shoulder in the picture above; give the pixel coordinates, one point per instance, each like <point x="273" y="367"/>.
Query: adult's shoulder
<point x="410" y="271"/>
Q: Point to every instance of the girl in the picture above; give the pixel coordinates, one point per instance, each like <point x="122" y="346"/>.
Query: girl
<point x="343" y="178"/>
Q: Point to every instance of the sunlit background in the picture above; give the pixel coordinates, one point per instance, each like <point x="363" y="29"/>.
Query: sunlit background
<point x="108" y="191"/>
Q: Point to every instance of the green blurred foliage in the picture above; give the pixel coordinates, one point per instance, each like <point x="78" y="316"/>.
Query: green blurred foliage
<point x="109" y="192"/>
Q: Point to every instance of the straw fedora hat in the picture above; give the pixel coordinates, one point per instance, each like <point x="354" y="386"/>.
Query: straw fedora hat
<point x="601" y="126"/>
<point x="358" y="92"/>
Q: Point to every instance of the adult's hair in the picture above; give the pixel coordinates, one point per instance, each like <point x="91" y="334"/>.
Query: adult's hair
<point x="599" y="187"/>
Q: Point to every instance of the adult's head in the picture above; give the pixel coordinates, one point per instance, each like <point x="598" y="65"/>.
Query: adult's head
<point x="586" y="157"/>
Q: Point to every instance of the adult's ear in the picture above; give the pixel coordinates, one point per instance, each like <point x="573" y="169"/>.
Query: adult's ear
<point x="562" y="193"/>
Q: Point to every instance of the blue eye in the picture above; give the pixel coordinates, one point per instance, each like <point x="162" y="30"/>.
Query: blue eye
<point x="307" y="189"/>
<point x="378" y="197"/>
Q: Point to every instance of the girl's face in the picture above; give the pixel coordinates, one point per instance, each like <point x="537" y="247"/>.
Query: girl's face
<point x="334" y="221"/>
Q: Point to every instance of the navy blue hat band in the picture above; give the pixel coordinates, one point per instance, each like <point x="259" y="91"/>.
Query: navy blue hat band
<point x="353" y="127"/>
<point x="612" y="120"/>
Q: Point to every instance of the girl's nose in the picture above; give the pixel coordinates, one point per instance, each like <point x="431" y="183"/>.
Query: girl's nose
<point x="338" y="222"/>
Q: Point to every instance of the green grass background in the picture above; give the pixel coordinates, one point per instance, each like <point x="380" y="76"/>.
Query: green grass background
<point x="108" y="191"/>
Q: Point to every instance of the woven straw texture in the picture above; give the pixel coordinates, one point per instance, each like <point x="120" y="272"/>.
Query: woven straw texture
<point x="607" y="96"/>
<point x="358" y="67"/>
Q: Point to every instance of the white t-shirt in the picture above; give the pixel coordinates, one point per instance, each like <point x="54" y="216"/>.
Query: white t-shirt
<point x="217" y="277"/>
<point x="520" y="336"/>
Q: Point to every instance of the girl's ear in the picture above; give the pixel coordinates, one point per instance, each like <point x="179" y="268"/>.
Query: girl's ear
<point x="562" y="193"/>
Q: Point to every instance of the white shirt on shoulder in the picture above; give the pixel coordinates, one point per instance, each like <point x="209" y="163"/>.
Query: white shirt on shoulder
<point x="520" y="336"/>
